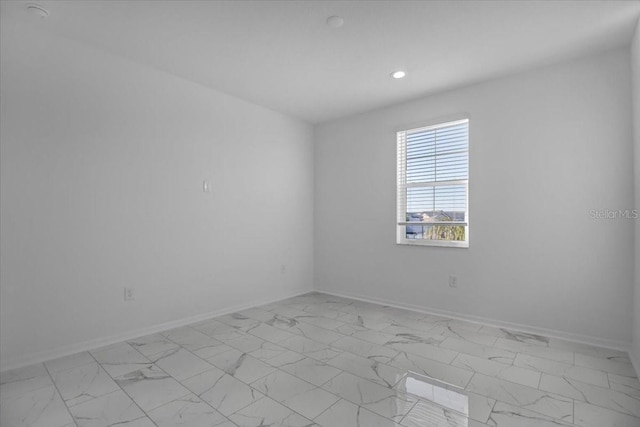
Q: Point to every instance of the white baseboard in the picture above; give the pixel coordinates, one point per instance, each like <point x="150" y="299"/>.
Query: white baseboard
<point x="101" y="342"/>
<point x="67" y="350"/>
<point x="635" y="362"/>
<point x="551" y="333"/>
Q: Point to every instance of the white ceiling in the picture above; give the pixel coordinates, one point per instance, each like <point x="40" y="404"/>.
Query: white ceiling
<point x="282" y="55"/>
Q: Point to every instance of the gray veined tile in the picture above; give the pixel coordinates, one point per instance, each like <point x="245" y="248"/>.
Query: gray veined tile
<point x="238" y="321"/>
<point x="68" y="362"/>
<point x="25" y="385"/>
<point x="371" y="370"/>
<point x="246" y="343"/>
<point x="375" y="337"/>
<point x="310" y="348"/>
<point x="366" y="321"/>
<point x="181" y="364"/>
<point x="587" y="415"/>
<point x="480" y="407"/>
<point x="544" y="403"/>
<point x="301" y="396"/>
<point x="491" y="330"/>
<point x="315" y="333"/>
<point x="299" y="305"/>
<point x="286" y="311"/>
<point x="611" y="399"/>
<point x="269" y="333"/>
<point x="560" y="369"/>
<point x="382" y="400"/>
<point x="345" y="306"/>
<point x="152" y="344"/>
<point x="24" y="373"/>
<point x="323" y="322"/>
<point x="190" y="338"/>
<point x="82" y="383"/>
<point x="345" y="413"/>
<point x="606" y="365"/>
<point x="218" y="330"/>
<point x="590" y="350"/>
<point x="285" y="358"/>
<point x="440" y="321"/>
<point x="227" y="395"/>
<point x="311" y="403"/>
<point x="350" y="328"/>
<point x="504" y="414"/>
<point x="119" y="359"/>
<point x="466" y="335"/>
<point x="524" y="337"/>
<point x="211" y="350"/>
<point x="204" y="381"/>
<point x="115" y="408"/>
<point x="416" y="324"/>
<point x="304" y="329"/>
<point x="400" y="332"/>
<point x="488" y="367"/>
<point x="491" y="353"/>
<point x="257" y="314"/>
<point x="421" y="349"/>
<point x="425" y="414"/>
<point x="500" y="394"/>
<point x="625" y="385"/>
<point x="187" y="411"/>
<point x="41" y="406"/>
<point x="556" y="354"/>
<point x="329" y="314"/>
<point x="310" y="370"/>
<point x="268" y="412"/>
<point x="268" y="351"/>
<point x="366" y="349"/>
<point x="151" y="387"/>
<point x="241" y="365"/>
<point x="432" y="368"/>
<point x="138" y="422"/>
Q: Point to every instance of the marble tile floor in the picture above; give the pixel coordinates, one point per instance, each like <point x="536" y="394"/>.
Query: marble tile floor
<point x="323" y="361"/>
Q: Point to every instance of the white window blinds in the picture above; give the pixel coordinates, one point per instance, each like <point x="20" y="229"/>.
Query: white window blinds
<point x="433" y="184"/>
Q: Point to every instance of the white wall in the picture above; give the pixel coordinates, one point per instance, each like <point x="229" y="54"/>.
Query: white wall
<point x="546" y="147"/>
<point x="102" y="168"/>
<point x="635" y="72"/>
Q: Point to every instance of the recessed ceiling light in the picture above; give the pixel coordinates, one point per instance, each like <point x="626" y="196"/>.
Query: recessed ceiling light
<point x="335" y="21"/>
<point x="398" y="74"/>
<point x="37" y="11"/>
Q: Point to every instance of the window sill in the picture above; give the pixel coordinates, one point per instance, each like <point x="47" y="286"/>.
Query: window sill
<point x="434" y="243"/>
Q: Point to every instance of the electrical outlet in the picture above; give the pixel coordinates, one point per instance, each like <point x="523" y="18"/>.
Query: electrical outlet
<point x="128" y="294"/>
<point x="453" y="281"/>
<point x="207" y="186"/>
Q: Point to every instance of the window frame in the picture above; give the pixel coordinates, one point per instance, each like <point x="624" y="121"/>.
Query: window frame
<point x="401" y="186"/>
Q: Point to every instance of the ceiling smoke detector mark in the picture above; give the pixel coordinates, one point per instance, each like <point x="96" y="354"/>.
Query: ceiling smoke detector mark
<point x="37" y="11"/>
<point x="335" y="21"/>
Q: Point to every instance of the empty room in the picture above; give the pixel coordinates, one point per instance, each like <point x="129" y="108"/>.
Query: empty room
<point x="297" y="213"/>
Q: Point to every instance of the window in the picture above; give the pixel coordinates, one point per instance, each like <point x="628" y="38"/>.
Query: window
<point x="433" y="185"/>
